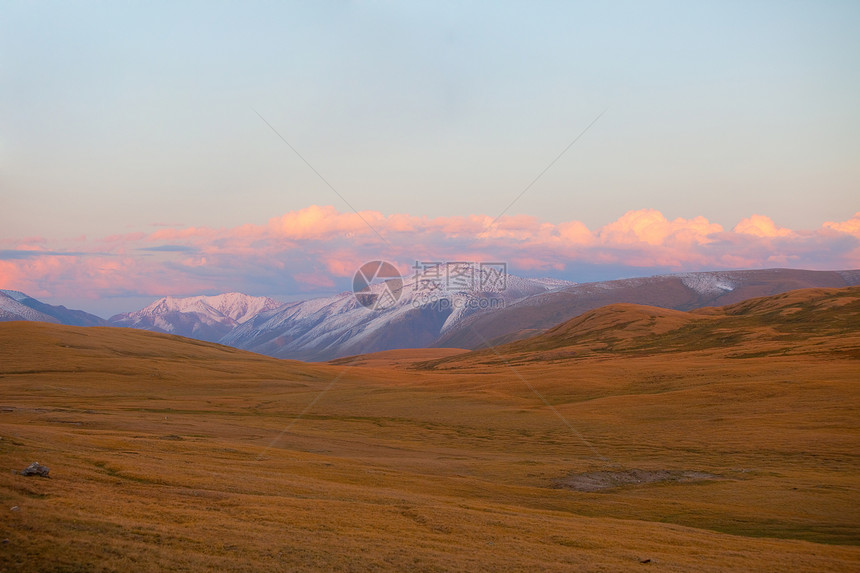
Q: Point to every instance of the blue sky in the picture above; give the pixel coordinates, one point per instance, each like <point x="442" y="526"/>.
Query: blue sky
<point x="125" y="119"/>
<point x="120" y="115"/>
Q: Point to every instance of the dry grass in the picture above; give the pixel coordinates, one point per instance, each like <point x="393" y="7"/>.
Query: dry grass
<point x="172" y="454"/>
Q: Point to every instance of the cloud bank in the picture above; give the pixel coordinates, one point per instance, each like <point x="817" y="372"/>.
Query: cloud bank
<point x="317" y="249"/>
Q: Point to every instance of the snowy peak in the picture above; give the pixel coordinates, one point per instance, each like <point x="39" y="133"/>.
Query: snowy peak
<point x="234" y="305"/>
<point x="241" y="307"/>
<point x="203" y="317"/>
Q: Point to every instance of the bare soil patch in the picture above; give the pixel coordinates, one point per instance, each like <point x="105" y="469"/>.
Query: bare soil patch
<point x="603" y="480"/>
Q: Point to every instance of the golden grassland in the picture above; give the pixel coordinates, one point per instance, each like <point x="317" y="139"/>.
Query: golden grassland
<point x="173" y="454"/>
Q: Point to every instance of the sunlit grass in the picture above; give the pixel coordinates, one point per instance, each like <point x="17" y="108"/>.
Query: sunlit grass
<point x="171" y="454"/>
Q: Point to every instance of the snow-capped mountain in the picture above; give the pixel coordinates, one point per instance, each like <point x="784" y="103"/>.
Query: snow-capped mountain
<point x="16" y="305"/>
<point x="332" y="327"/>
<point x="202" y="317"/>
<point x="12" y="309"/>
<point x="337" y="326"/>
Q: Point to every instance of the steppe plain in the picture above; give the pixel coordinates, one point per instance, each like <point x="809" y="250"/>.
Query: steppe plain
<point x="629" y="438"/>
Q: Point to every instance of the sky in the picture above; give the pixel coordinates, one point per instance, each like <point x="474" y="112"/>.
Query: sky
<point x="182" y="148"/>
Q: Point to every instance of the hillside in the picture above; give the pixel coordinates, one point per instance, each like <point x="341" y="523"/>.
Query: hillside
<point x="681" y="453"/>
<point x="805" y="321"/>
<point x="337" y="326"/>
<point x="684" y="292"/>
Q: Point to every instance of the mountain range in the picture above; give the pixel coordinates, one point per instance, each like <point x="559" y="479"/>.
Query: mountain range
<point x="327" y="328"/>
<point x="338" y="326"/>
<point x="15" y="305"/>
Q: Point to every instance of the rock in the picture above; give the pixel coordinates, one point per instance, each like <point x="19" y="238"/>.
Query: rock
<point x="35" y="469"/>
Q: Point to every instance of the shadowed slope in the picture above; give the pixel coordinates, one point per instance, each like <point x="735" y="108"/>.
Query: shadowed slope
<point x="15" y="305"/>
<point x="803" y="321"/>
<point x="679" y="292"/>
<point x="34" y="347"/>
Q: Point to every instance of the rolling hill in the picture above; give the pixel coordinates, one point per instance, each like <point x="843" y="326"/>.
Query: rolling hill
<point x="678" y="292"/>
<point x="804" y="321"/>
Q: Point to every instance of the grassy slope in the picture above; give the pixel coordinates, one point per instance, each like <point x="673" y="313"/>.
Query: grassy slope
<point x="170" y="453"/>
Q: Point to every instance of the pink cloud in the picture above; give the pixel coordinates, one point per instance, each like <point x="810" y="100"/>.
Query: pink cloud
<point x="761" y="226"/>
<point x="319" y="223"/>
<point x="12" y="275"/>
<point x="649" y="226"/>
<point x="575" y="233"/>
<point x="320" y="247"/>
<point x="849" y="227"/>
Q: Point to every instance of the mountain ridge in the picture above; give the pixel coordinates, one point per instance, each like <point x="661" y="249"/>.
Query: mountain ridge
<point x="16" y="305"/>
<point x="683" y="291"/>
<point x="784" y="324"/>
<point x="328" y="328"/>
<point x="203" y="317"/>
<point x="332" y="327"/>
